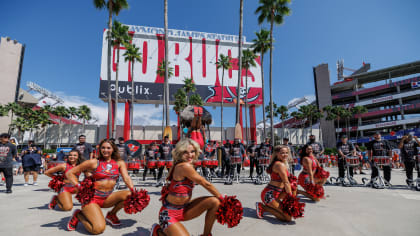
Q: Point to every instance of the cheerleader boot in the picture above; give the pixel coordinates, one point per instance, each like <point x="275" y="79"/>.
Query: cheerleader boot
<point x="53" y="202"/>
<point x="112" y="219"/>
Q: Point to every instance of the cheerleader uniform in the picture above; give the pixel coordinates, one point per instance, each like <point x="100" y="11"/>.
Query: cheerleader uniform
<point x="272" y="192"/>
<point x="68" y="187"/>
<point x="170" y="213"/>
<point x="104" y="171"/>
<point x="304" y="179"/>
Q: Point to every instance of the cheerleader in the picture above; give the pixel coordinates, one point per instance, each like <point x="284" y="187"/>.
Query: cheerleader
<point x="105" y="171"/>
<point x="279" y="186"/>
<point x="63" y="199"/>
<point x="312" y="177"/>
<point x="176" y="197"/>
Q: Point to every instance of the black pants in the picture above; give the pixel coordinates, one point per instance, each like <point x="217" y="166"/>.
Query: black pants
<point x="409" y="166"/>
<point x="160" y="173"/>
<point x="225" y="167"/>
<point x="342" y="168"/>
<point x="153" y="171"/>
<point x="254" y="162"/>
<point x="387" y="172"/>
<point x="232" y="169"/>
<point x="8" y="175"/>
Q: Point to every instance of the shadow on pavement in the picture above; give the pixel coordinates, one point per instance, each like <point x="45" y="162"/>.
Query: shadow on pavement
<point x="139" y="232"/>
<point x="44" y="207"/>
<point x="42" y="190"/>
<point x="60" y="224"/>
<point x="124" y="224"/>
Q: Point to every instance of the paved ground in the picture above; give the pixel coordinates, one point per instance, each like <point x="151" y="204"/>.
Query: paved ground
<point x="346" y="211"/>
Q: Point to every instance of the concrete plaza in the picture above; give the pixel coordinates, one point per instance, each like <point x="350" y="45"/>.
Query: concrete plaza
<point x="345" y="211"/>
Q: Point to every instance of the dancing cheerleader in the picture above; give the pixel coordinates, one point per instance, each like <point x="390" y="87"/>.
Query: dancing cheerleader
<point x="105" y="171"/>
<point x="63" y="199"/>
<point x="282" y="184"/>
<point x="176" y="197"/>
<point x="312" y="177"/>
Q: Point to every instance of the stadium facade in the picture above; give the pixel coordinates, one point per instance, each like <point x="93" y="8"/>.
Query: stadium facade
<point x="391" y="96"/>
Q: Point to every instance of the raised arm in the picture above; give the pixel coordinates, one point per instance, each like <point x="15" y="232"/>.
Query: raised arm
<point x="86" y="166"/>
<point x="55" y="169"/>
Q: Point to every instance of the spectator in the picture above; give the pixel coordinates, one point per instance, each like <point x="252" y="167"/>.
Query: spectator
<point x="31" y="161"/>
<point x="7" y="154"/>
<point x="60" y="156"/>
<point x="123" y="149"/>
<point x="317" y="147"/>
<point x="84" y="148"/>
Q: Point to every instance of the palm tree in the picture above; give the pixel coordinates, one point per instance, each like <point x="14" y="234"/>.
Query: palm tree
<point x="298" y="116"/>
<point x="283" y="114"/>
<point x="225" y="63"/>
<point x="119" y="35"/>
<point x="189" y="87"/>
<point x="161" y="71"/>
<point x="72" y="113"/>
<point x="357" y="110"/>
<point x="248" y="61"/>
<point x="61" y="112"/>
<point x="166" y="81"/>
<point x="132" y="54"/>
<point x="85" y="114"/>
<point x="261" y="45"/>
<point x="347" y="115"/>
<point x="238" y="100"/>
<point x="46" y="110"/>
<point x="272" y="11"/>
<point x="271" y="116"/>
<point x="338" y="112"/>
<point x="114" y="7"/>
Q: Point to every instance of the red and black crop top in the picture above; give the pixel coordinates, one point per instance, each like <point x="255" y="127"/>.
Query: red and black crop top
<point x="314" y="164"/>
<point x="181" y="188"/>
<point x="106" y="170"/>
<point x="69" y="167"/>
<point x="276" y="177"/>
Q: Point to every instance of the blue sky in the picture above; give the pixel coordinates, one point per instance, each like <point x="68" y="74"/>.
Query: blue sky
<point x="63" y="41"/>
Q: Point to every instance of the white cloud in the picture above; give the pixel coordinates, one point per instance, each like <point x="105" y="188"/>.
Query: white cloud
<point x="144" y="114"/>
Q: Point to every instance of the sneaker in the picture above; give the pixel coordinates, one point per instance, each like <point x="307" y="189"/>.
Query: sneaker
<point x="25" y="185"/>
<point x="155" y="229"/>
<point x="53" y="202"/>
<point x="35" y="184"/>
<point x="260" y="210"/>
<point x="362" y="173"/>
<point x="112" y="219"/>
<point x="8" y="191"/>
<point x="71" y="226"/>
<point x="158" y="184"/>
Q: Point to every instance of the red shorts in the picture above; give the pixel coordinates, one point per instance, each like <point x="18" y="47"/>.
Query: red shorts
<point x="69" y="188"/>
<point x="304" y="179"/>
<point x="170" y="214"/>
<point x="198" y="137"/>
<point x="271" y="193"/>
<point x="100" y="197"/>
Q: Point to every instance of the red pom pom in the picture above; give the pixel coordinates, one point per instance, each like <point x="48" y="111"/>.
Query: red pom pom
<point x="86" y="191"/>
<point x="320" y="173"/>
<point x="230" y="211"/>
<point x="291" y="206"/>
<point x="293" y="182"/>
<point x="56" y="183"/>
<point x="317" y="191"/>
<point x="164" y="192"/>
<point x="136" y="202"/>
